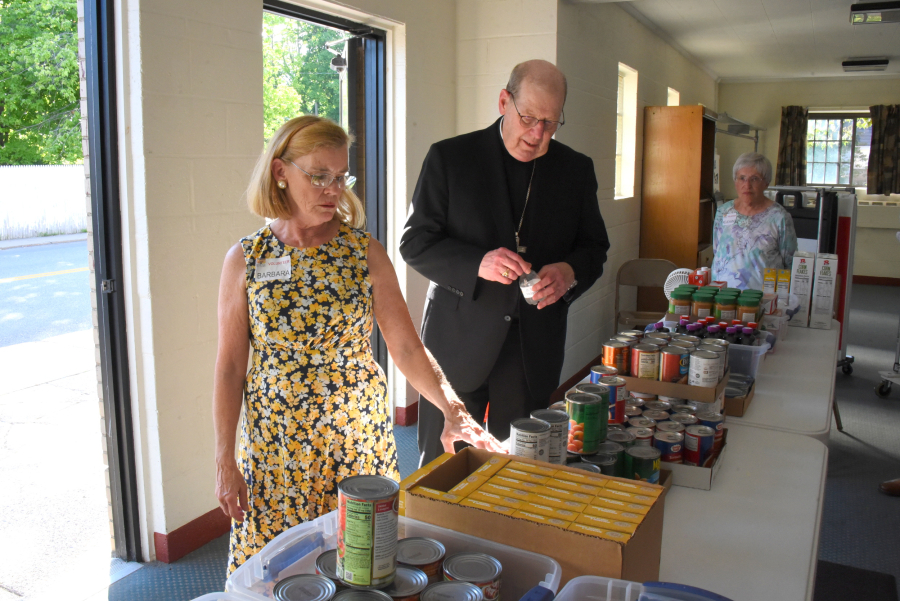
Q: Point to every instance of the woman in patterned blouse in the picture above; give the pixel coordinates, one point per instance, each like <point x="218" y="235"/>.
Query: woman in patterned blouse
<point x="301" y="293"/>
<point x="751" y="232"/>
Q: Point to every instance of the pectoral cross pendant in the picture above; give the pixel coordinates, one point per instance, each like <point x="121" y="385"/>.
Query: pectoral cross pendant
<point x="519" y="248"/>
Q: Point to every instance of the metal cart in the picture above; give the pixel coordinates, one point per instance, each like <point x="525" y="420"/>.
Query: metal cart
<point x="889" y="378"/>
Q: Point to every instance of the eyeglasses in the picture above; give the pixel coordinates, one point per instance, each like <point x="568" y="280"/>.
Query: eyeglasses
<point x="531" y="122"/>
<point x="753" y="180"/>
<point x="323" y="180"/>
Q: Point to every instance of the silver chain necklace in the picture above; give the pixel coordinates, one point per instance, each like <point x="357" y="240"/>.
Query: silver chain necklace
<point x="519" y="248"/>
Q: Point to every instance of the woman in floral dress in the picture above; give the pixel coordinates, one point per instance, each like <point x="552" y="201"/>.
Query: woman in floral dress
<point x="302" y="293"/>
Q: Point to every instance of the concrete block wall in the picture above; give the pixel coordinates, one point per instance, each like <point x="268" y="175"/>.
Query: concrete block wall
<point x="592" y="39"/>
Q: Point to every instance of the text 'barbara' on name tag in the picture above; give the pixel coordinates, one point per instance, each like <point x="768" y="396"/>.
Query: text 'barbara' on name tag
<point x="273" y="269"/>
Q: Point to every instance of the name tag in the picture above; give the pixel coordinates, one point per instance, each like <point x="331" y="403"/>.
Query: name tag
<point x="273" y="269"/>
<point x="729" y="219"/>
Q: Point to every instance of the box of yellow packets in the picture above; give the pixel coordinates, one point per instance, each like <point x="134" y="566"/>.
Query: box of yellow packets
<point x="589" y="523"/>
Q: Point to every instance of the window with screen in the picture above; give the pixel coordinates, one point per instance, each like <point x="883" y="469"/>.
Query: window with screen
<point x="837" y="149"/>
<point x="620" y="131"/>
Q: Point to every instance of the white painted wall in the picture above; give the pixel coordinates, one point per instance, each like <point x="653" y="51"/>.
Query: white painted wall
<point x="38" y="200"/>
<point x="760" y="103"/>
<point x="592" y="40"/>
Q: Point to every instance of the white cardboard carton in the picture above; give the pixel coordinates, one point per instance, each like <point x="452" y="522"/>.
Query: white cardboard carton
<point x="802" y="285"/>
<point x="822" y="305"/>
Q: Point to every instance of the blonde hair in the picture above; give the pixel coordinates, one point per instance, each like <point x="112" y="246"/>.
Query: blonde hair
<point x="299" y="137"/>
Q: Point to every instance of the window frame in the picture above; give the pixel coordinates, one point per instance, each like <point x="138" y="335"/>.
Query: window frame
<point x="626" y="132"/>
<point x="835" y="115"/>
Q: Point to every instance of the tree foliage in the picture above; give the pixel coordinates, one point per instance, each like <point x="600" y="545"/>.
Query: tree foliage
<point x="39" y="88"/>
<point x="297" y="77"/>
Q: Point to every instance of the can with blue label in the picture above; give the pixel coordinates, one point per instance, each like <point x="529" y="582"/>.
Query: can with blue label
<point x="602" y="371"/>
<point x="670" y="445"/>
<point x="698" y="444"/>
<point x="716" y="421"/>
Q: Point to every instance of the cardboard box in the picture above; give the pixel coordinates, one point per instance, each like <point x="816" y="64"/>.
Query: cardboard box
<point x="801" y="285"/>
<point x="681" y="390"/>
<point x="737" y="406"/>
<point x="821" y="306"/>
<point x="578" y="553"/>
<point x="693" y="476"/>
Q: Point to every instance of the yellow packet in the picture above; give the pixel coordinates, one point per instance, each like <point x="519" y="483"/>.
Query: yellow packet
<point x="504" y="491"/>
<point x="638" y="488"/>
<point x="436" y="494"/>
<point x="567" y="495"/>
<point x="550" y="512"/>
<point x="541" y="519"/>
<point x="613" y="514"/>
<point x="585" y="489"/>
<point x="513" y="483"/>
<point x="582" y="477"/>
<point x="606" y="524"/>
<point x="491" y="466"/>
<point x="468" y="485"/>
<point x="470" y="502"/>
<point x="619" y="537"/>
<point x="531" y="469"/>
<point x="627" y="497"/>
<point x="523" y="476"/>
<point x="557" y="503"/>
<point x="486" y="497"/>
<point x="621" y="505"/>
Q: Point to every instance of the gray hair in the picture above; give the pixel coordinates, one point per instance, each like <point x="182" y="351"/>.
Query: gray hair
<point x="526" y="70"/>
<point x="756" y="161"/>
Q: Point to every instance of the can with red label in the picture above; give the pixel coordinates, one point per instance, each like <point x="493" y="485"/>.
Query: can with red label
<point x="476" y="568"/>
<point x="698" y="444"/>
<point x="674" y="362"/>
<point x="683" y="409"/>
<point x="670" y="446"/>
<point x="367" y="531"/>
<point x="658" y="406"/>
<point x="616" y="354"/>
<point x="632" y="411"/>
<point x="643" y="437"/>
<point x="645" y="362"/>
<point x="716" y="421"/>
<point x="617" y="397"/>
<point x="602" y="371"/>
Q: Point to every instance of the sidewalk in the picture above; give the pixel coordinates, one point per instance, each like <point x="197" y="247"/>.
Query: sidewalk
<point x="40" y="241"/>
<point x="54" y="502"/>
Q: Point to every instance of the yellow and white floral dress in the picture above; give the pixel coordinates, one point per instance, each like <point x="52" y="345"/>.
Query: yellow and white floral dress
<point x="315" y="400"/>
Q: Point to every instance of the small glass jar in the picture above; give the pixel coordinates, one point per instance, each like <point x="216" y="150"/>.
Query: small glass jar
<point x="747" y="308"/>
<point x="725" y="308"/>
<point x="681" y="303"/>
<point x="702" y="304"/>
<point x="526" y="281"/>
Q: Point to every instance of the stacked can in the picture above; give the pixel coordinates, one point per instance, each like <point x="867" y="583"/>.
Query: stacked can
<point x="602" y="371"/>
<point x="559" y="433"/>
<point x="366" y="505"/>
<point x="670" y="445"/>
<point x="475" y="568"/>
<point x="645" y="361"/>
<point x="698" y="444"/>
<point x="588" y="417"/>
<point x="617" y="354"/>
<point x="530" y="438"/>
<point x="674" y="362"/>
<point x="716" y="421"/>
<point x="642" y="463"/>
<point x="617" y="398"/>
<point x="704" y="369"/>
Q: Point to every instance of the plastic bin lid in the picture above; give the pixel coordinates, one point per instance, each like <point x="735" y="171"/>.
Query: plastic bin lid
<point x="678" y="592"/>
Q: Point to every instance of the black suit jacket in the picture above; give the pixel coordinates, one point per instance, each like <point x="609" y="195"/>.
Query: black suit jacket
<point x="461" y="210"/>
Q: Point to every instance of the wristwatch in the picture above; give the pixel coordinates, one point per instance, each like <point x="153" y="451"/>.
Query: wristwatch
<point x="568" y="294"/>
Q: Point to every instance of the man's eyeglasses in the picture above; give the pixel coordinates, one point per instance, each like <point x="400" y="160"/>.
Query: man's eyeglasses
<point x="528" y="121"/>
<point x="323" y="180"/>
<point x="753" y="180"/>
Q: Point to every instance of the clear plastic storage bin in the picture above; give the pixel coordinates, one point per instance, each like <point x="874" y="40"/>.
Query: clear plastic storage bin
<point x="295" y="551"/>
<point x="223" y="597"/>
<point x="744" y="359"/>
<point x="598" y="588"/>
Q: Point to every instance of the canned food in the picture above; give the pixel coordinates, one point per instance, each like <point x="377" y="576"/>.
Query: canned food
<point x="658" y="406"/>
<point x="366" y="505"/>
<point x="622" y="437"/>
<point x="530" y="438"/>
<point x="475" y="568"/>
<point x="305" y="587"/>
<point x="659" y="336"/>
<point x="645" y="362"/>
<point x="688" y="338"/>
<point x="656" y="416"/>
<point x="701" y="407"/>
<point x="452" y="591"/>
<point x="673" y="363"/>
<point x="720" y="353"/>
<point x="349" y="594"/>
<point x="629" y="340"/>
<point x="716" y="421"/>
<point x="685" y="344"/>
<point x="599" y="389"/>
<point x="642" y="463"/>
<point x="704" y="370"/>
<point x="588" y="416"/>
<point x="642" y="396"/>
<point x="425" y="554"/>
<point x="616" y="354"/>
<point x="685" y="419"/>
<point x="682" y="409"/>
<point x="609" y="449"/>
<point x="408" y="584"/>
<point x="655" y="342"/>
<point x="558" y="406"/>
<point x="642" y="422"/>
<point x="643" y="437"/>
<point x="670" y="426"/>
<point x="633" y="402"/>
<point x="587" y="467"/>
<point x="608" y="465"/>
<point x="698" y="444"/>
<point x="671" y="400"/>
<point x="602" y="371"/>
<point x="617" y="398"/>
<point x="670" y="446"/>
<point x="559" y="432"/>
<point x="326" y="565"/>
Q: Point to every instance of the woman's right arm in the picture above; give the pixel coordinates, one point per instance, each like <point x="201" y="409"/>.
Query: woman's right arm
<point x="228" y="389"/>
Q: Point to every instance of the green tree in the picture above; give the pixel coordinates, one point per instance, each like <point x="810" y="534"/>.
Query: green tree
<point x="39" y="89"/>
<point x="297" y="77"/>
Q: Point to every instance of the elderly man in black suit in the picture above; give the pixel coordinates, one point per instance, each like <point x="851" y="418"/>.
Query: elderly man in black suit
<point x="491" y="206"/>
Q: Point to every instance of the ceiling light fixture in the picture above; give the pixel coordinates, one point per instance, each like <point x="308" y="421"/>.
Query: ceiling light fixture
<point x="875" y="12"/>
<point x="865" y="64"/>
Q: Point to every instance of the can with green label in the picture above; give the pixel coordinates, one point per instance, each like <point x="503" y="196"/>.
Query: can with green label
<point x="642" y="463"/>
<point x="588" y="417"/>
<point x="367" y="531"/>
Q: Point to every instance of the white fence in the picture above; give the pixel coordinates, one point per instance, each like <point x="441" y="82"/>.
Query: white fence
<point x="41" y="200"/>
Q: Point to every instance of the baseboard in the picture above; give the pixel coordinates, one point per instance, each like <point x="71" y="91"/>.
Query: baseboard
<point x="190" y="537"/>
<point x="406" y="416"/>
<point x="872" y="280"/>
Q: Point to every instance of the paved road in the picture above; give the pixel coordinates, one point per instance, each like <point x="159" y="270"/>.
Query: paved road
<point x="44" y="291"/>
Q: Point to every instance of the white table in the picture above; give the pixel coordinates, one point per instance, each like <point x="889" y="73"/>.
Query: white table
<point x="795" y="384"/>
<point x="755" y="535"/>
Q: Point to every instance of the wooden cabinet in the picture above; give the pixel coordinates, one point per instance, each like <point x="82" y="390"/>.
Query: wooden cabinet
<point x="676" y="198"/>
